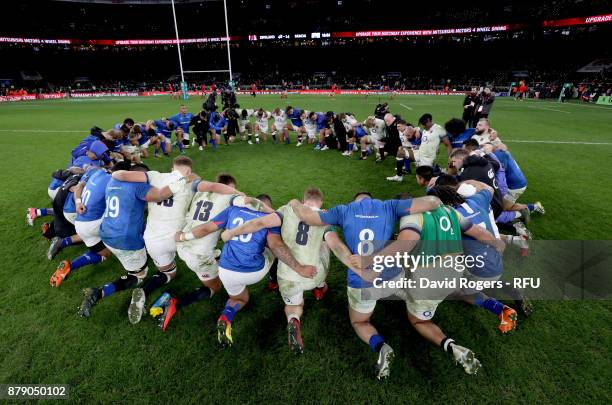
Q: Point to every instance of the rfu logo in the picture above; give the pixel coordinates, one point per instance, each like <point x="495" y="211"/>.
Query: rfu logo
<point x="491" y="173"/>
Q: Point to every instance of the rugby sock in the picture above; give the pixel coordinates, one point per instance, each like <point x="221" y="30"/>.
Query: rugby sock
<point x="530" y="207"/>
<point x="407" y="165"/>
<point x="287" y="140"/>
<point x="163" y="147"/>
<point x="122" y="283"/>
<point x="43" y="212"/>
<point x="272" y="274"/>
<point x="274" y="137"/>
<point x="505" y="217"/>
<point x="181" y="146"/>
<point x="85" y="260"/>
<point x="250" y="139"/>
<point x="350" y="147"/>
<point x="376" y="342"/>
<point x="155" y="282"/>
<point x="200" y="294"/>
<point x="364" y="153"/>
<point x="229" y="311"/>
<point x="67" y="241"/>
<point x="213" y="142"/>
<point x="399" y="166"/>
<point x="490" y="304"/>
<point x="447" y="345"/>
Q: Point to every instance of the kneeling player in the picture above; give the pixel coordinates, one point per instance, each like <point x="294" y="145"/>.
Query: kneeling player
<point x="367" y="224"/>
<point x="90" y="206"/>
<point x="122" y="231"/>
<point x="244" y="260"/>
<point x="199" y="253"/>
<point x="442" y="224"/>
<point x="306" y="245"/>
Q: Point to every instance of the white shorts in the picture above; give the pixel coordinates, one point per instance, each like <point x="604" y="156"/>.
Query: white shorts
<point x="278" y="127"/>
<point x="241" y="127"/>
<point x="513" y="195"/>
<point x="145" y="145"/>
<point x="363" y="300"/>
<point x="235" y="282"/>
<point x="89" y="231"/>
<point x="161" y="250"/>
<point x="52" y="193"/>
<point x="292" y="291"/>
<point x="312" y="133"/>
<point x="421" y="160"/>
<point x="263" y="128"/>
<point x="131" y="260"/>
<point x="295" y="128"/>
<point x="70" y="216"/>
<point x="423" y="302"/>
<point x="204" y="266"/>
<point x="422" y="309"/>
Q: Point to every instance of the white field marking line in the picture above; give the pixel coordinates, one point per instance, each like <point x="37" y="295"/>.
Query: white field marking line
<point x="559" y="142"/>
<point x="41" y="130"/>
<point x="406" y="107"/>
<point x="548" y="109"/>
<point x="570" y="104"/>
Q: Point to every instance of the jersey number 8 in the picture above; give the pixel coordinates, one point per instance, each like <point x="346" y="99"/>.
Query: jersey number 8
<point x="301" y="238"/>
<point x="365" y="246"/>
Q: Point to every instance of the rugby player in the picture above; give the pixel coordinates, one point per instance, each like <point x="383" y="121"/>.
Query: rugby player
<point x="377" y="132"/>
<point x="306" y="245"/>
<point x="296" y="123"/>
<point x="367" y="224"/>
<point x="261" y="125"/>
<point x="183" y="122"/>
<point x="89" y="196"/>
<point x="244" y="260"/>
<point x="439" y="232"/>
<point x="278" y="127"/>
<point x="122" y="231"/>
<point x="199" y="253"/>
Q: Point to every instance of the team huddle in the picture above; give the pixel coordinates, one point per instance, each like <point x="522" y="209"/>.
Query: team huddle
<point x="109" y="201"/>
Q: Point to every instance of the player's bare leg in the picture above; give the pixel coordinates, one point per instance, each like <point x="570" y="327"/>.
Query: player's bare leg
<point x="164" y="275"/>
<point x="294" y="329"/>
<point x="224" y="324"/>
<point x="368" y="333"/>
<point x="399" y="165"/>
<point x="66" y="267"/>
<point x="167" y="306"/>
<point x="57" y="244"/>
<point x="434" y="334"/>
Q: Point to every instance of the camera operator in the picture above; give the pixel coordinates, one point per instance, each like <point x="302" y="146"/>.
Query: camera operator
<point x="381" y="110"/>
<point x="210" y="103"/>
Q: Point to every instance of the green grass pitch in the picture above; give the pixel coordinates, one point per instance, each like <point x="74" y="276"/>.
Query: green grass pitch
<point x="560" y="354"/>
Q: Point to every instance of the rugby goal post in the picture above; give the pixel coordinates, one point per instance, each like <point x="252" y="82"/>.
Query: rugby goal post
<point x="184" y="88"/>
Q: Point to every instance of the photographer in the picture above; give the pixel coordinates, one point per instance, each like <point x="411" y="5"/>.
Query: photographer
<point x="381" y="110"/>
